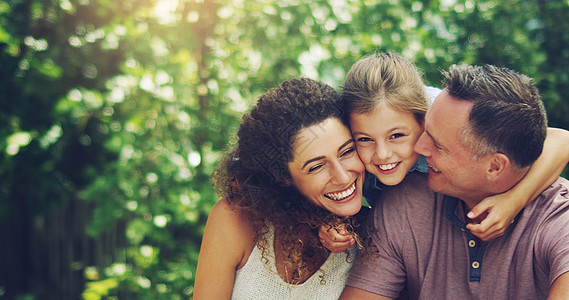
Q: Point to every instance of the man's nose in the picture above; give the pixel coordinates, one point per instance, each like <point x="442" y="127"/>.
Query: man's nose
<point x="423" y="145"/>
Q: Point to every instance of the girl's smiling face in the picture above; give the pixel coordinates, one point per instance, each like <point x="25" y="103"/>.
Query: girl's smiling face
<point x="385" y="138"/>
<point x="326" y="168"/>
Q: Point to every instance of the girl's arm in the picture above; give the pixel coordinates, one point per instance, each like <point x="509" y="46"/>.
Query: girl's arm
<point x="335" y="238"/>
<point x="503" y="208"/>
<point x="226" y="245"/>
<point x="559" y="288"/>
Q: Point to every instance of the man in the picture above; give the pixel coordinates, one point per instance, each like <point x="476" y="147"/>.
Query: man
<point x="482" y="133"/>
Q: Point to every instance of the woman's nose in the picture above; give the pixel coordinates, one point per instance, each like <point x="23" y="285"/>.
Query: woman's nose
<point x="341" y="174"/>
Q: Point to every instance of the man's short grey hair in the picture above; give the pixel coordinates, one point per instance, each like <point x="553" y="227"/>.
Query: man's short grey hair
<point x="507" y="116"/>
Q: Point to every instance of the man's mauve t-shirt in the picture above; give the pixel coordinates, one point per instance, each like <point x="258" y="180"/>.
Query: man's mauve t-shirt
<point x="425" y="247"/>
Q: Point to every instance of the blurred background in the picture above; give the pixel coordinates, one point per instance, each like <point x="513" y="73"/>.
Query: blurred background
<point x="113" y="114"/>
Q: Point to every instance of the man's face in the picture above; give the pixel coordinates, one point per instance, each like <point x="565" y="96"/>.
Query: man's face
<point x="452" y="171"/>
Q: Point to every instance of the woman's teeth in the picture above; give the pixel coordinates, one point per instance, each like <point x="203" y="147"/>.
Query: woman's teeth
<point x="387" y="167"/>
<point x="342" y="195"/>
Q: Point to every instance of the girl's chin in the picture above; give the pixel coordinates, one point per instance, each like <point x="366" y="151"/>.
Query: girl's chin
<point x="391" y="180"/>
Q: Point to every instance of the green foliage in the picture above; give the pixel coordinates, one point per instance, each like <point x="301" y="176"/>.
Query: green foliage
<point x="97" y="289"/>
<point x="128" y="105"/>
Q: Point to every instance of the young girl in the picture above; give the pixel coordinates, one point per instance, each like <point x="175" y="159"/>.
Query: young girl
<point x="386" y="101"/>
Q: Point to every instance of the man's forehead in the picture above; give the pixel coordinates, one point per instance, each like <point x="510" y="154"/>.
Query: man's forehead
<point x="446" y="115"/>
<point x="448" y="107"/>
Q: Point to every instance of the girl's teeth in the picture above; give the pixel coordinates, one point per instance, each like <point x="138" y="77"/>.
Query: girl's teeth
<point x="342" y="195"/>
<point x="387" y="167"/>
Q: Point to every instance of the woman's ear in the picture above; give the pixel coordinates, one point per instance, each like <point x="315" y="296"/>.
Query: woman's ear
<point x="287" y="183"/>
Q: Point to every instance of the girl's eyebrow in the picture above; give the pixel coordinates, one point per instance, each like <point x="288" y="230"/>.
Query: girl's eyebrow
<point x="321" y="157"/>
<point x="359" y="132"/>
<point x="396" y="128"/>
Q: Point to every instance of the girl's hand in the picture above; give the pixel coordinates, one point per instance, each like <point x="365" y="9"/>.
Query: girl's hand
<point x="491" y="217"/>
<point x="335" y="238"/>
<point x="497" y="212"/>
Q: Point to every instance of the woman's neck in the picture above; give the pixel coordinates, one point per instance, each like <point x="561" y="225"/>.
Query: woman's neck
<point x="297" y="262"/>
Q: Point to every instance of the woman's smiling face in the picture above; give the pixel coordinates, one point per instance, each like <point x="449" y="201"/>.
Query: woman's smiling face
<point x="385" y="139"/>
<point x="326" y="168"/>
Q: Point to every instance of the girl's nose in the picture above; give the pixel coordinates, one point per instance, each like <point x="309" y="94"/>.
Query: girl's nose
<point x="383" y="151"/>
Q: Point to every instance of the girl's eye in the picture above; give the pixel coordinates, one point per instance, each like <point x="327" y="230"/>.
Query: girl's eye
<point x="364" y="139"/>
<point x="396" y="135"/>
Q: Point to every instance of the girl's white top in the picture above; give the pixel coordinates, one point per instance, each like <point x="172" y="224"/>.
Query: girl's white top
<point x="432" y="93"/>
<point x="259" y="280"/>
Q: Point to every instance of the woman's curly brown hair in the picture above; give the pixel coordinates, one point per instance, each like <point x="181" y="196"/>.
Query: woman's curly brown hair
<point x="254" y="175"/>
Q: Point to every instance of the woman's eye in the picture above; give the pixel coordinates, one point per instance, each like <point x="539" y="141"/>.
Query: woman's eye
<point x="364" y="139"/>
<point x="397" y="135"/>
<point x="348" y="151"/>
<point x="315" y="168"/>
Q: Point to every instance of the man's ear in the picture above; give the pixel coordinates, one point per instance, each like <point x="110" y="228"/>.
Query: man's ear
<point x="498" y="163"/>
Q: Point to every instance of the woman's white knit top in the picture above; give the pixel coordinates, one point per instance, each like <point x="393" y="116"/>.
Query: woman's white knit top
<point x="256" y="281"/>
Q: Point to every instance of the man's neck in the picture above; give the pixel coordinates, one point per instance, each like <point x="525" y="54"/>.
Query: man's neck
<point x="493" y="188"/>
<point x="471" y="202"/>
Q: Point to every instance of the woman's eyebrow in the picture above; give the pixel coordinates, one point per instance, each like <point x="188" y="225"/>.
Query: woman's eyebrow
<point x="321" y="157"/>
<point x="345" y="144"/>
<point x="311" y="160"/>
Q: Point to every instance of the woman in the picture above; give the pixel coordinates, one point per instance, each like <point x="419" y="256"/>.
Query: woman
<point x="294" y="168"/>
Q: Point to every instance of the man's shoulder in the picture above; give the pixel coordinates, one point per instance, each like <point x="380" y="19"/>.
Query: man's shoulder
<point x="548" y="220"/>
<point x="550" y="209"/>
<point x="561" y="181"/>
<point x="558" y="192"/>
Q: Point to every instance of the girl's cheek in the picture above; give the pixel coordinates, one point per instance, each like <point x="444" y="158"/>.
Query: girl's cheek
<point x="364" y="153"/>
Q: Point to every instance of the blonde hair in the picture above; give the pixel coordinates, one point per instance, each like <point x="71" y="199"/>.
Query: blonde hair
<point x="385" y="78"/>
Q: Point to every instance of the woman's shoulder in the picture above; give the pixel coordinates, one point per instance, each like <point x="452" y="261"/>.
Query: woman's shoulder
<point x="225" y="208"/>
<point x="226" y="245"/>
<point x="230" y="218"/>
<point x="228" y="225"/>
